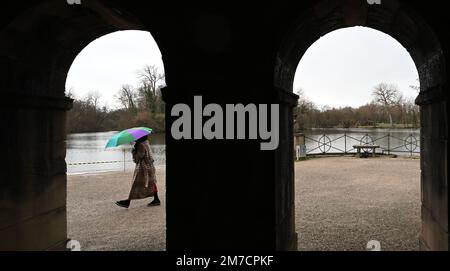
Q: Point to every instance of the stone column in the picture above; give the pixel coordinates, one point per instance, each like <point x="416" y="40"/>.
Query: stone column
<point x="286" y="236"/>
<point x="33" y="172"/>
<point x="228" y="194"/>
<point x="434" y="165"/>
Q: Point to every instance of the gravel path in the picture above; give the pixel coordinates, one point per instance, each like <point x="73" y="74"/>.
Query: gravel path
<point x="98" y="224"/>
<point x="341" y="204"/>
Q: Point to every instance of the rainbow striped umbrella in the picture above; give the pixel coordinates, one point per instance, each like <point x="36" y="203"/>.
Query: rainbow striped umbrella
<point x="128" y="136"/>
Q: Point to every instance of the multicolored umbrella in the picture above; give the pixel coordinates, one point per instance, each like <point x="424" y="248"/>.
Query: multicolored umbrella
<point x="128" y="136"/>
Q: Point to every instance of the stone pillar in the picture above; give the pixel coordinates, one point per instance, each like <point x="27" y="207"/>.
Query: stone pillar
<point x="214" y="201"/>
<point x="228" y="194"/>
<point x="434" y="165"/>
<point x="286" y="236"/>
<point x="299" y="139"/>
<point x="33" y="172"/>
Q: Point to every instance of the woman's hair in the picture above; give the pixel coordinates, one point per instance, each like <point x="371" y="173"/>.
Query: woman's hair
<point x="142" y="139"/>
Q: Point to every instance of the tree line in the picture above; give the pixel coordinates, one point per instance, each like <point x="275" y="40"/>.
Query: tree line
<point x="389" y="108"/>
<point x="143" y="106"/>
<point x="139" y="106"/>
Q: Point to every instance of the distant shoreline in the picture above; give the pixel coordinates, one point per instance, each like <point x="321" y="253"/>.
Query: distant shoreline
<point x="77" y="133"/>
<point x="399" y="127"/>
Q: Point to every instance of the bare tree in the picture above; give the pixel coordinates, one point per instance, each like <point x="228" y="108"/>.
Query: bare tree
<point x="70" y="93"/>
<point x="388" y="96"/>
<point x="304" y="112"/>
<point x="127" y="97"/>
<point x="96" y="113"/>
<point x="149" y="89"/>
<point x="93" y="98"/>
<point x="416" y="87"/>
<point x="300" y="92"/>
<point x="302" y="99"/>
<point x="151" y="78"/>
<point x="413" y="112"/>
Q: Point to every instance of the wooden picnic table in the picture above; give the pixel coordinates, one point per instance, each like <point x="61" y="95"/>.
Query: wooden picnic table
<point x="372" y="147"/>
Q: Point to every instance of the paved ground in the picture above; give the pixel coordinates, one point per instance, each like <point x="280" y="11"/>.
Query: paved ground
<point x="95" y="221"/>
<point x="342" y="203"/>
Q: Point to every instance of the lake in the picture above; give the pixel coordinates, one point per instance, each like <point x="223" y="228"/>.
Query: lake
<point x="86" y="153"/>
<point x="398" y="141"/>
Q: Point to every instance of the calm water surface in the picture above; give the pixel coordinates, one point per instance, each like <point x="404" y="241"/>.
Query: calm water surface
<point x="399" y="141"/>
<point x="86" y="153"/>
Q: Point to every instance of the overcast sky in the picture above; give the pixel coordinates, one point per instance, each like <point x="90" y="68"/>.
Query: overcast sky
<point x="340" y="69"/>
<point x="112" y="61"/>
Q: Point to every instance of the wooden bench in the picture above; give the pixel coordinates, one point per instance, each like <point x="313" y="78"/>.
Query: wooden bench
<point x="372" y="147"/>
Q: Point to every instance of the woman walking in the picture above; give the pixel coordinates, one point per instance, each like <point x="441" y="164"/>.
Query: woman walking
<point x="144" y="179"/>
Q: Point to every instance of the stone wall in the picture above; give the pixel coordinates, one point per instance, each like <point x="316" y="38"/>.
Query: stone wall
<point x="33" y="175"/>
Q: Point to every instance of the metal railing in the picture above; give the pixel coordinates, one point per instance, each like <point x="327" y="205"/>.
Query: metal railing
<point x="343" y="144"/>
<point x="124" y="161"/>
<point x="110" y="163"/>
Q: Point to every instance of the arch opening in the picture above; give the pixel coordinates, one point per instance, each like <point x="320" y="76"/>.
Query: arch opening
<point x="36" y="55"/>
<point x="355" y="89"/>
<point x="406" y="26"/>
<point x="116" y="84"/>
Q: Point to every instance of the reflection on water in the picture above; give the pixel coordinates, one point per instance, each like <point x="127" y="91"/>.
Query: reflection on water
<point x="399" y="141"/>
<point x="87" y="153"/>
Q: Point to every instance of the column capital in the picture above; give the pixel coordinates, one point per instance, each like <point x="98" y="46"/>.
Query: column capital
<point x="432" y="95"/>
<point x="286" y="97"/>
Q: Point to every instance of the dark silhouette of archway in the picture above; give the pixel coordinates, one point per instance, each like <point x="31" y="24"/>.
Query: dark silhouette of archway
<point x="220" y="194"/>
<point x="407" y="26"/>
<point x="324" y="186"/>
<point x="38" y="48"/>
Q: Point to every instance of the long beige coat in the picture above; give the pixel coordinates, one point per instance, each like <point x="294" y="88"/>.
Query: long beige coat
<point x="144" y="178"/>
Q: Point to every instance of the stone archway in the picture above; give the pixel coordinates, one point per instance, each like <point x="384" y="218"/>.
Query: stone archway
<point x="402" y="22"/>
<point x="37" y="49"/>
<point x="41" y="39"/>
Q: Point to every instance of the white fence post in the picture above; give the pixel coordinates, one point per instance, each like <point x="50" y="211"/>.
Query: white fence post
<point x="124" y="160"/>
